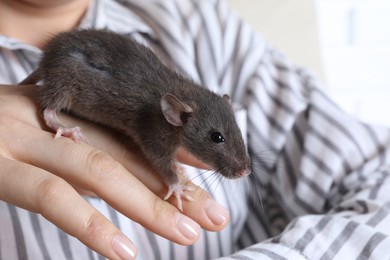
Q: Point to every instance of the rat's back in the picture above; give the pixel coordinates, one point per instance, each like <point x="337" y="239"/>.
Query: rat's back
<point x="87" y="70"/>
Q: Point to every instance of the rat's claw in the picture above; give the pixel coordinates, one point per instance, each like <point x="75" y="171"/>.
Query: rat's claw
<point x="188" y="188"/>
<point x="59" y="133"/>
<point x="179" y="190"/>
<point x="188" y="197"/>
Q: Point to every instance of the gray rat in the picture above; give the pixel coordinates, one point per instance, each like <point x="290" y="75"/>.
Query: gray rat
<point x="112" y="80"/>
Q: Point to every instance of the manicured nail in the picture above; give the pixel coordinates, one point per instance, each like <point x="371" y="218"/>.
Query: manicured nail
<point x="189" y="228"/>
<point x="123" y="247"/>
<point x="216" y="213"/>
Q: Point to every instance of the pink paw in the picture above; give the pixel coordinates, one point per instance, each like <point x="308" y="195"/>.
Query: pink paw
<point x="52" y="121"/>
<point x="179" y="190"/>
<point x="72" y="132"/>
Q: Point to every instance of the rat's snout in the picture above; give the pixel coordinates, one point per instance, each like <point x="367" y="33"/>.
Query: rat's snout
<point x="238" y="172"/>
<point x="239" y="167"/>
<point x="235" y="174"/>
<point x="243" y="173"/>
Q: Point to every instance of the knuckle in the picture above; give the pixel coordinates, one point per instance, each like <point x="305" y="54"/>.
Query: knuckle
<point x="157" y="207"/>
<point x="101" y="164"/>
<point x="155" y="212"/>
<point x="159" y="210"/>
<point x="49" y="192"/>
<point x="95" y="226"/>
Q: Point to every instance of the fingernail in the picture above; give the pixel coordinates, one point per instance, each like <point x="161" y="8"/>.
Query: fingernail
<point x="216" y="213"/>
<point x="123" y="247"/>
<point x="189" y="228"/>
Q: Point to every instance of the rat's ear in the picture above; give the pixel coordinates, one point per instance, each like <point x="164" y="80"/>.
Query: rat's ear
<point x="227" y="98"/>
<point x="175" y="111"/>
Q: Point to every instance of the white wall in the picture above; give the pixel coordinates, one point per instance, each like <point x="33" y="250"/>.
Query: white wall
<point x="288" y="24"/>
<point x="346" y="42"/>
<point x="355" y="46"/>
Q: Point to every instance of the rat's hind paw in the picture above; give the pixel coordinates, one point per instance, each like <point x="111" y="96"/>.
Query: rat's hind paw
<point x="52" y="121"/>
<point x="179" y="190"/>
<point x="72" y="132"/>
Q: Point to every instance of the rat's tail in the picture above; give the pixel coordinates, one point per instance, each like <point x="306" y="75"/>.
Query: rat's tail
<point x="33" y="78"/>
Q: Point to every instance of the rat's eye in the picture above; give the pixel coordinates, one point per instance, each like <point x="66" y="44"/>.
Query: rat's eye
<point x="217" y="137"/>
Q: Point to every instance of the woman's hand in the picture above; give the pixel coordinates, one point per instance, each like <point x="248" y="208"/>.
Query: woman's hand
<point x="44" y="175"/>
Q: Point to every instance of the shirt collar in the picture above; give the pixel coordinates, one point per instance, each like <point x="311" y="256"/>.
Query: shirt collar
<point x="116" y="16"/>
<point x="101" y="14"/>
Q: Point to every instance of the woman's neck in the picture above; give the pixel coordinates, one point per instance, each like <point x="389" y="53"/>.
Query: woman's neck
<point x="35" y="23"/>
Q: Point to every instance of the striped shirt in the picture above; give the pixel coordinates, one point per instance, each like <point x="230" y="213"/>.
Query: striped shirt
<point x="320" y="187"/>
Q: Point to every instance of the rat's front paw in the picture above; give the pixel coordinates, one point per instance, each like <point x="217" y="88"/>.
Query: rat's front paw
<point x="179" y="190"/>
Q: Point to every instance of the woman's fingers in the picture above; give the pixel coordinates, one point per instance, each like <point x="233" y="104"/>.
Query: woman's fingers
<point x="39" y="191"/>
<point x="92" y="169"/>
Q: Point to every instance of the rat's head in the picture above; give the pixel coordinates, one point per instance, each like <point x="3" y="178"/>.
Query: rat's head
<point x="209" y="132"/>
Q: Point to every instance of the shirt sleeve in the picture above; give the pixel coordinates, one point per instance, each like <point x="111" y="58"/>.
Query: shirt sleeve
<point x="320" y="178"/>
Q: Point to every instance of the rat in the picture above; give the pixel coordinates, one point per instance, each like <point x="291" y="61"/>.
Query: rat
<point x="111" y="79"/>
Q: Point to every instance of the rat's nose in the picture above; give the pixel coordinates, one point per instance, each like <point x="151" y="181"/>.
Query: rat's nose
<point x="244" y="172"/>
